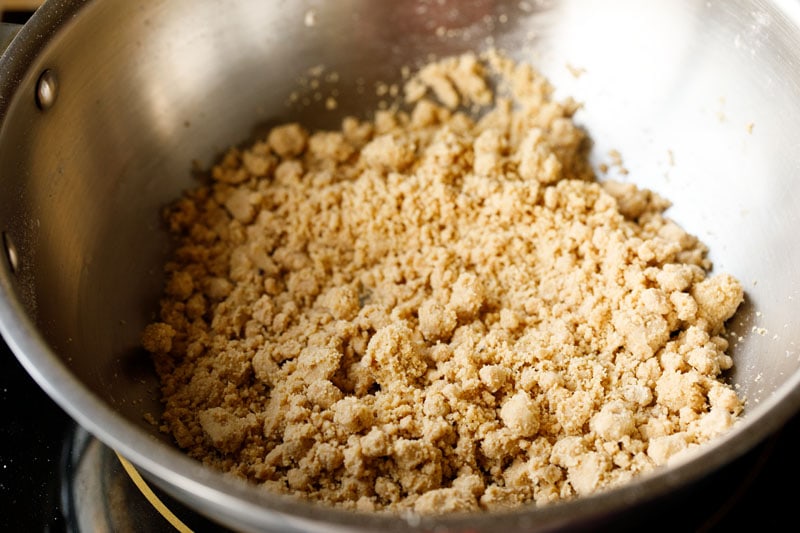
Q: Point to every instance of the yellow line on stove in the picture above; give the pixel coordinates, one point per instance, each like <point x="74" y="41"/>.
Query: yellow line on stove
<point x="148" y="493"/>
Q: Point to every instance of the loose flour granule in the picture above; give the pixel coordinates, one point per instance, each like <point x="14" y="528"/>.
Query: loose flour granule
<point x="434" y="312"/>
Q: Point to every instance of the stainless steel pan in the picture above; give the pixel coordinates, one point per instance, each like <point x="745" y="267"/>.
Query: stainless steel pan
<point x="106" y="105"/>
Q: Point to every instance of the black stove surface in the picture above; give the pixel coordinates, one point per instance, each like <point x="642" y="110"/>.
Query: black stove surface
<point x="39" y="444"/>
<point x="32" y="432"/>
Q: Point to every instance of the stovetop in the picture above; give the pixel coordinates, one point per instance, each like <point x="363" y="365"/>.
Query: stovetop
<point x="55" y="477"/>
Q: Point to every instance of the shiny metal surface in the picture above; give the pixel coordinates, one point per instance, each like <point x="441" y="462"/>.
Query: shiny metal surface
<point x="700" y="97"/>
<point x="46" y="90"/>
<point x="10" y="252"/>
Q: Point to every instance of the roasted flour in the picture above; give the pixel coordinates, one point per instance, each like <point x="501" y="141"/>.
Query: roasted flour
<point x="437" y="313"/>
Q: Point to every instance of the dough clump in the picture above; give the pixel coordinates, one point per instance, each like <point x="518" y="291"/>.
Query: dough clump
<point x="431" y="312"/>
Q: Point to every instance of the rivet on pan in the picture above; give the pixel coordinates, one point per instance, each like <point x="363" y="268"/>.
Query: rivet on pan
<point x="46" y="90"/>
<point x="11" y="252"/>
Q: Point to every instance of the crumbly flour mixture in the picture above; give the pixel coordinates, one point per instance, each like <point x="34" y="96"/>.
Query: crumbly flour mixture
<point x="430" y="312"/>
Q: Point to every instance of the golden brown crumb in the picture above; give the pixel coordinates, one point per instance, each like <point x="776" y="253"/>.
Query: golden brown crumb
<point x="432" y="313"/>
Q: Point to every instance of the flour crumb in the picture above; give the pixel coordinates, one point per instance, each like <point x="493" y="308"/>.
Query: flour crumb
<point x="438" y="311"/>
